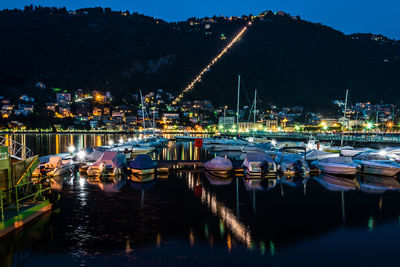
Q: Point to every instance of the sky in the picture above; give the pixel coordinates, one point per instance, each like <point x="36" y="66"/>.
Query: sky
<point x="348" y="16"/>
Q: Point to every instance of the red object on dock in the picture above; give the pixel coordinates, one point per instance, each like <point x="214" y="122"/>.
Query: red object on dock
<point x="198" y="142"/>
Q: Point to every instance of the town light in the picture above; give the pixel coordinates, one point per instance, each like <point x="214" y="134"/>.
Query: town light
<point x="71" y="149"/>
<point x="81" y="154"/>
<point x="121" y="140"/>
<point x="273" y="142"/>
<point x="110" y="142"/>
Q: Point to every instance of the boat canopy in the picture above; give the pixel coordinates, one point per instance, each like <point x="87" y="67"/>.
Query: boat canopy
<point x="94" y="155"/>
<point x="318" y="155"/>
<point x="54" y="162"/>
<point x="258" y="157"/>
<point x="219" y="163"/>
<point x="142" y="162"/>
<point x="337" y="160"/>
<point x="111" y="158"/>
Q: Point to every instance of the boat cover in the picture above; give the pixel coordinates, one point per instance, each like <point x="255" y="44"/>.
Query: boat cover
<point x="54" y="162"/>
<point x="111" y="158"/>
<point x="94" y="155"/>
<point x="219" y="163"/>
<point x="318" y="155"/>
<point x="142" y="162"/>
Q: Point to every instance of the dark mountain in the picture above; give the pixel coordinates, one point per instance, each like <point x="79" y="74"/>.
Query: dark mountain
<point x="289" y="61"/>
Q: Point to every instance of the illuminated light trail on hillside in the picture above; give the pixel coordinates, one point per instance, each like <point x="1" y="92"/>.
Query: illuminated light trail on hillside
<point x="212" y="63"/>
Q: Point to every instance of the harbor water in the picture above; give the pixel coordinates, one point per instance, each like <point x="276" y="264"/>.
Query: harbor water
<point x="190" y="218"/>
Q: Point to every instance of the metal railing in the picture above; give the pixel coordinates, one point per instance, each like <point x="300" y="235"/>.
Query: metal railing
<point x="15" y="148"/>
<point x="32" y="189"/>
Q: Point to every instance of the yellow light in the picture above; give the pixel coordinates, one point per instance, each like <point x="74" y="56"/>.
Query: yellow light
<point x="215" y="60"/>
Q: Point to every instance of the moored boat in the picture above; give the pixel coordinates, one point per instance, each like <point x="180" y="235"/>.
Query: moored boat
<point x="258" y="164"/>
<point x="56" y="166"/>
<point x="142" y="165"/>
<point x="377" y="163"/>
<point x="111" y="163"/>
<point x="219" y="166"/>
<point x="337" y="165"/>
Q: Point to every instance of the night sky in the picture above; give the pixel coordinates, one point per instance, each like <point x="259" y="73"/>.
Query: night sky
<point x="348" y="16"/>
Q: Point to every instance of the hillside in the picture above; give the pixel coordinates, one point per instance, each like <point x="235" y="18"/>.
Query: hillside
<point x="289" y="61"/>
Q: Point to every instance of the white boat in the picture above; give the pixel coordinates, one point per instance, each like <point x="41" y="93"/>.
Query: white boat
<point x="318" y="155"/>
<point x="219" y="166"/>
<point x="123" y="149"/>
<point x="338" y="166"/>
<point x="111" y="163"/>
<point x="291" y="164"/>
<point x="346" y="152"/>
<point x="56" y="166"/>
<point x="258" y="164"/>
<point x="377" y="163"/>
<point x="142" y="150"/>
<point x="334" y="183"/>
<point x="393" y="153"/>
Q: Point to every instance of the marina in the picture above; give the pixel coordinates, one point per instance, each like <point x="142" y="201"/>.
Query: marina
<point x="180" y="199"/>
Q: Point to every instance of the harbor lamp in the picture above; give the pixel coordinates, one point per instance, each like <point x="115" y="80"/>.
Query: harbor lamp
<point x="71" y="149"/>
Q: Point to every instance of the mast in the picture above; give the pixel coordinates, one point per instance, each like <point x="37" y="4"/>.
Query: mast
<point x="237" y="110"/>
<point x="254" y="110"/>
<point x="344" y="116"/>
<point x="141" y="101"/>
<point x="255" y="106"/>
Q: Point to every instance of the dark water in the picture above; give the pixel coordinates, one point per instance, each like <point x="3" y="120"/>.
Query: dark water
<point x="190" y="219"/>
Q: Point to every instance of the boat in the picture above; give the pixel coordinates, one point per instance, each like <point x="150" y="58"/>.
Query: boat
<point x="377" y="163"/>
<point x="111" y="163"/>
<point x="338" y="166"/>
<point x="351" y="152"/>
<point x="376" y="185"/>
<point x="258" y="164"/>
<point x="56" y="166"/>
<point x="185" y="137"/>
<point x="142" y="150"/>
<point x="292" y="163"/>
<point x="336" y="183"/>
<point x="87" y="160"/>
<point x="219" y="166"/>
<point x="315" y="154"/>
<point x="142" y="165"/>
<point x="123" y="149"/>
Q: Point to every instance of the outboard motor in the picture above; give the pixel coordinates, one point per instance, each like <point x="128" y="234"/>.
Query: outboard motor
<point x="42" y="170"/>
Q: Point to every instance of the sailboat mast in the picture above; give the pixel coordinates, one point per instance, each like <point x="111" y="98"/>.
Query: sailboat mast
<point x="254" y="110"/>
<point x="141" y="101"/>
<point x="344" y="116"/>
<point x="237" y="110"/>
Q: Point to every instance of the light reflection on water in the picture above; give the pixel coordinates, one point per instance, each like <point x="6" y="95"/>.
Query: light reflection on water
<point x="189" y="218"/>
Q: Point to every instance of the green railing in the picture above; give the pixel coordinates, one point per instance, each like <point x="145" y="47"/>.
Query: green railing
<point x="29" y="170"/>
<point x="35" y="190"/>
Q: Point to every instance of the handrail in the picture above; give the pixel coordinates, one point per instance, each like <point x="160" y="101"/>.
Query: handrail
<point x="35" y="161"/>
<point x="1" y="206"/>
<point x="16" y="149"/>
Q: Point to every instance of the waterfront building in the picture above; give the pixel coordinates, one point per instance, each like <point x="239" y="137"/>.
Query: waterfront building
<point x="226" y="122"/>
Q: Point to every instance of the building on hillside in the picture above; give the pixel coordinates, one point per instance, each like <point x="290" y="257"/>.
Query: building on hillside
<point x="226" y="122"/>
